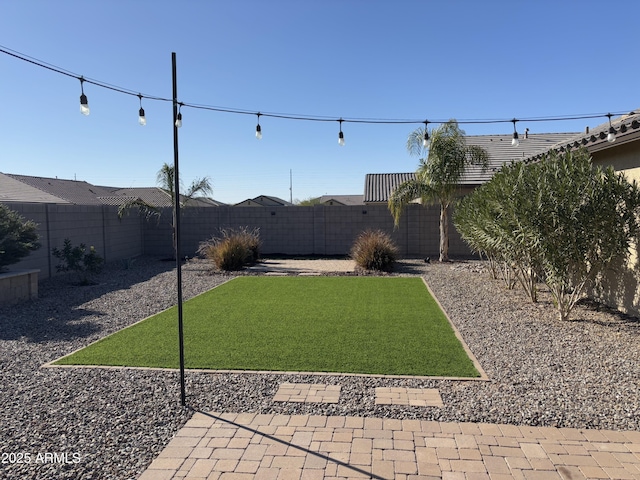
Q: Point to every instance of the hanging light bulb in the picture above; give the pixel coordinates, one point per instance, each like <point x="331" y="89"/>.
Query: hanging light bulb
<point x="179" y="117"/>
<point x="258" y="128"/>
<point x="142" y="120"/>
<point x="611" y="137"/>
<point x="341" y="135"/>
<point x="84" y="103"/>
<point x="425" y="140"/>
<point x="515" y="142"/>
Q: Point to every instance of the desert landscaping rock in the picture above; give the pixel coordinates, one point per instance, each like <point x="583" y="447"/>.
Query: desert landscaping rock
<point x="111" y="423"/>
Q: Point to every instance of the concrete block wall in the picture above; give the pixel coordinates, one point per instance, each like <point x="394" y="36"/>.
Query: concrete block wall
<point x="92" y="225"/>
<point x="316" y="230"/>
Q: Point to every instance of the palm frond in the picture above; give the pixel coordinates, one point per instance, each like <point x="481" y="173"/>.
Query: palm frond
<point x="407" y="192"/>
<point x="200" y="186"/>
<point x="143" y="207"/>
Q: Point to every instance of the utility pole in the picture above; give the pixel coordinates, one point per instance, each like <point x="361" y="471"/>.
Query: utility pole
<point x="290" y="186"/>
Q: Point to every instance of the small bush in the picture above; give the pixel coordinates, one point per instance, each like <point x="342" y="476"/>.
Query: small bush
<point x="77" y="259"/>
<point x="233" y="249"/>
<point x="18" y="237"/>
<point x="374" y="250"/>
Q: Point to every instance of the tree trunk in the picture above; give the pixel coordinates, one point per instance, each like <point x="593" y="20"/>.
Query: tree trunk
<point x="444" y="232"/>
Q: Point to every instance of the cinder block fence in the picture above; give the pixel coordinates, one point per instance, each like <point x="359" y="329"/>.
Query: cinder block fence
<point x="316" y="230"/>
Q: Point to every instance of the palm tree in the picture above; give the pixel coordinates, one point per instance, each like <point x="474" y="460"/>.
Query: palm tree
<point x="438" y="174"/>
<point x="165" y="179"/>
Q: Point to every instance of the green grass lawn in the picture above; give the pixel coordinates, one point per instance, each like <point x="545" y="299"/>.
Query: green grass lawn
<point x="374" y="325"/>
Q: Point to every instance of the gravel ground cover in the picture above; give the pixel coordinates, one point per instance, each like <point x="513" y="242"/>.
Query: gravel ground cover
<point x="91" y="423"/>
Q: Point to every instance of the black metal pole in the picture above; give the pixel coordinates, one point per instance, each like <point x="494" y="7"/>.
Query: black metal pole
<point x="176" y="226"/>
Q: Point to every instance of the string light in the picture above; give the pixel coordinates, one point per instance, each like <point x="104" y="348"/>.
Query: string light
<point x="258" y="128"/>
<point x="179" y="117"/>
<point x="84" y="103"/>
<point x="142" y="120"/>
<point x="341" y="135"/>
<point x="84" y="108"/>
<point x="611" y="137"/>
<point x="425" y="140"/>
<point x="515" y="142"/>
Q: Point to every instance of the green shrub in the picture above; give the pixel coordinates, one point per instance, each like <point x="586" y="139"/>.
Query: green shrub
<point x="374" y="250"/>
<point x="18" y="237"/>
<point x="561" y="220"/>
<point x="233" y="249"/>
<point x="77" y="259"/>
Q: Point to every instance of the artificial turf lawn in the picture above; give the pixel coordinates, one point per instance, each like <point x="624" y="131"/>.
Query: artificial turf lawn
<point x="375" y="325"/>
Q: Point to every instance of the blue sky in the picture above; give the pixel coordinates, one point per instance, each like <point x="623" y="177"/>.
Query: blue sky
<point x="401" y="59"/>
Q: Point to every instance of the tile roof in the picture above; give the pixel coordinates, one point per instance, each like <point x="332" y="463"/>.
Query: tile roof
<point x="12" y="190"/>
<point x="343" y="199"/>
<point x="595" y="139"/>
<point x="73" y="191"/>
<point x="501" y="152"/>
<point x="378" y="186"/>
<point x="264" y="201"/>
<point x="25" y="188"/>
<point x="152" y="195"/>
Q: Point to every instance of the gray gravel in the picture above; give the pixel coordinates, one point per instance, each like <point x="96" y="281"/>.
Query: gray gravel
<point x="111" y="423"/>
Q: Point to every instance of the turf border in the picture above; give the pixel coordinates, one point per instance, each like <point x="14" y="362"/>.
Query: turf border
<point x="483" y="376"/>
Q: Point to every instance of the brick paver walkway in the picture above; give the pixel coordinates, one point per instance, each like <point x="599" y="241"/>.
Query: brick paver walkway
<point x="269" y="446"/>
<point x="308" y="393"/>
<point x="416" y="397"/>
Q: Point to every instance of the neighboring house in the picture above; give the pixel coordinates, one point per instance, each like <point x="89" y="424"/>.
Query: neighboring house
<point x="72" y="191"/>
<point x="25" y="188"/>
<point x="332" y="200"/>
<point x="379" y="186"/>
<point x="12" y="190"/>
<point x="264" y="201"/>
<point x="623" y="154"/>
<point x="154" y="196"/>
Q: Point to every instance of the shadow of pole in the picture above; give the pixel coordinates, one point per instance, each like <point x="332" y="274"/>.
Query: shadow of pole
<point x="289" y="444"/>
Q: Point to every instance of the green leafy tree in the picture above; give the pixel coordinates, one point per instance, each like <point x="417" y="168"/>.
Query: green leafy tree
<point x="587" y="218"/>
<point x="561" y="220"/>
<point x="490" y="221"/>
<point x="18" y="237"/>
<point x="77" y="259"/>
<point x="438" y="175"/>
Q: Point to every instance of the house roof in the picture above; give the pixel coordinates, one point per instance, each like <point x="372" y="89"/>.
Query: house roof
<point x="627" y="129"/>
<point x="25" y="188"/>
<point x="12" y="190"/>
<point x="264" y="201"/>
<point x="378" y="186"/>
<point x="502" y="152"/>
<point x="152" y="195"/>
<point x="73" y="191"/>
<point x="342" y="199"/>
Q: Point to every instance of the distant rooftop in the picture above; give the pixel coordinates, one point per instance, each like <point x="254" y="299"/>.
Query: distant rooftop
<point x="25" y="188"/>
<point x="379" y="186"/>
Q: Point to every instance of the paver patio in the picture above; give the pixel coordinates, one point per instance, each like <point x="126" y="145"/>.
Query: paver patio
<point x="270" y="446"/>
<point x="416" y="397"/>
<point x="307" y="393"/>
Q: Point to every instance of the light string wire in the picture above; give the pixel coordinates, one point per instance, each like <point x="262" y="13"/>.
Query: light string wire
<point x="288" y="116"/>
